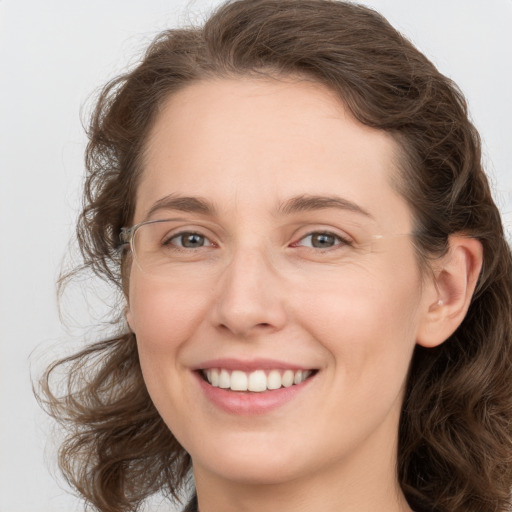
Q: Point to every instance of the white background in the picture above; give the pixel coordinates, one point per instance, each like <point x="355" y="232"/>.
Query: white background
<point x="53" y="55"/>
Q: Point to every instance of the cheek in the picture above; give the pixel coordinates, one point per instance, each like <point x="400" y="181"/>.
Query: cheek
<point x="370" y="338"/>
<point x="162" y="315"/>
<point x="368" y="325"/>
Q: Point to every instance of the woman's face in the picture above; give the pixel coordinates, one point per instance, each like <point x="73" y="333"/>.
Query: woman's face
<point x="288" y="252"/>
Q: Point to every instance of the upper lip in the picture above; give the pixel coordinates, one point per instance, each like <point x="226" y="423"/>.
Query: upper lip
<point x="249" y="365"/>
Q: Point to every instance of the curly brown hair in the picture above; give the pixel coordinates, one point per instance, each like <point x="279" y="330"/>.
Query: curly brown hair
<point x="455" y="438"/>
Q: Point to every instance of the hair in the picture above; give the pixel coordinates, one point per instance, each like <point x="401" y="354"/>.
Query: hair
<point x="455" y="435"/>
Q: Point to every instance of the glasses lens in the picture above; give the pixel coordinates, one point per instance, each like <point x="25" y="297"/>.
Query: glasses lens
<point x="160" y="248"/>
<point x="151" y="243"/>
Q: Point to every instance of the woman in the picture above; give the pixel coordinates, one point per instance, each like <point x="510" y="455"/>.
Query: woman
<point x="317" y="284"/>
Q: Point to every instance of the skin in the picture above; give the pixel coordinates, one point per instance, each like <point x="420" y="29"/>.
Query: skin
<point x="260" y="290"/>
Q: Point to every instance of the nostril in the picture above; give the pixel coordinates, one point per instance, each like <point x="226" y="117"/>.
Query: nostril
<point x="244" y="331"/>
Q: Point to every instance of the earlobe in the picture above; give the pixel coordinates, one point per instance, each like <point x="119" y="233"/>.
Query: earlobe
<point x="456" y="276"/>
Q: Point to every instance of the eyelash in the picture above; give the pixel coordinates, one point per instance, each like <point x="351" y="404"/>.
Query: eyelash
<point x="338" y="239"/>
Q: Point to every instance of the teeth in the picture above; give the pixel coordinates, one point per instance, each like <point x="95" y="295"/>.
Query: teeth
<point x="274" y="379"/>
<point x="238" y="381"/>
<point x="224" y="379"/>
<point x="256" y="381"/>
<point x="288" y="378"/>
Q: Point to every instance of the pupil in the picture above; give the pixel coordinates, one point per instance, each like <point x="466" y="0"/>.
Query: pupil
<point x="323" y="240"/>
<point x="193" y="240"/>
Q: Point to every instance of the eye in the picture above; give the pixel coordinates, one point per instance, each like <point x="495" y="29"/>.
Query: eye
<point x="189" y="240"/>
<point x="321" y="240"/>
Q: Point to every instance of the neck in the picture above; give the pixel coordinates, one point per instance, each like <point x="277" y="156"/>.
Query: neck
<point x="296" y="497"/>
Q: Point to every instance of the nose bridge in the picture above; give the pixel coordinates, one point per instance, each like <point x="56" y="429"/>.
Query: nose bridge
<point x="250" y="293"/>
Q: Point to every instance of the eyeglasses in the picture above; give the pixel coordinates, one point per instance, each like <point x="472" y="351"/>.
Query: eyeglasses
<point x="160" y="245"/>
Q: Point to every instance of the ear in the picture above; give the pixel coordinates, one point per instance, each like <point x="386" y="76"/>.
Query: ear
<point x="451" y="290"/>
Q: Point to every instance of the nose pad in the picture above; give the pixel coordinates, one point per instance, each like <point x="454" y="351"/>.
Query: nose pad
<point x="250" y="297"/>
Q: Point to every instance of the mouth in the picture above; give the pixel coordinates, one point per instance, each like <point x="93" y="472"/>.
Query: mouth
<point x="256" y="381"/>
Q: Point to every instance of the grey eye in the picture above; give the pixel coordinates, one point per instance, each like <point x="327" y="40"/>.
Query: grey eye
<point x="321" y="240"/>
<point x="190" y="240"/>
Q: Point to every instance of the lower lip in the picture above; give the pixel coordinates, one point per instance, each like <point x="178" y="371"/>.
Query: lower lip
<point x="250" y="403"/>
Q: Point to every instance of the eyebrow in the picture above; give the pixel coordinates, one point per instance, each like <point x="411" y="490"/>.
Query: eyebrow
<point x="311" y="202"/>
<point x="296" y="204"/>
<point x="183" y="204"/>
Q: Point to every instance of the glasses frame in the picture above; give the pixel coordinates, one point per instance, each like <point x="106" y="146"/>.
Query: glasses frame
<point x="127" y="234"/>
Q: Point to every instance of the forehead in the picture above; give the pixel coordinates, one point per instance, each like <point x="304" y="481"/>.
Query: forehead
<point x="252" y="143"/>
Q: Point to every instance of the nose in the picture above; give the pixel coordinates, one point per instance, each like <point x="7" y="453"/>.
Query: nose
<point x="251" y="296"/>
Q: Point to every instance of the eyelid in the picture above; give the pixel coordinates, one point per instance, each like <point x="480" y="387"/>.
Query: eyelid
<point x="181" y="225"/>
<point x="173" y="228"/>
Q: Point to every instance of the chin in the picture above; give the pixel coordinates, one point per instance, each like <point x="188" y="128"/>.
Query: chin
<point x="264" y="471"/>
<point x="254" y="463"/>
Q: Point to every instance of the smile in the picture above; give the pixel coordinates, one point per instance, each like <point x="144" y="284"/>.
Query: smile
<point x="256" y="381"/>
